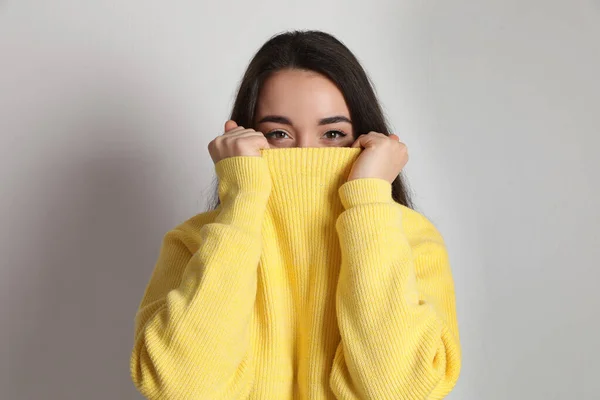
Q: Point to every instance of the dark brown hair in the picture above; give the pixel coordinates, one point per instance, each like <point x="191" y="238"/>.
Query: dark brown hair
<point x="322" y="53"/>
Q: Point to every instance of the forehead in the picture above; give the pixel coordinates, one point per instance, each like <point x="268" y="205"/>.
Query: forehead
<point x="301" y="94"/>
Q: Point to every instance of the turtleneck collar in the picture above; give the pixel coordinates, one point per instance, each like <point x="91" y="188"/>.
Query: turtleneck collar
<point x="305" y="181"/>
<point x="301" y="213"/>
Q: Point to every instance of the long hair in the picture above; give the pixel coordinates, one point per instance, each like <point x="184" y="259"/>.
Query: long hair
<point x="322" y="53"/>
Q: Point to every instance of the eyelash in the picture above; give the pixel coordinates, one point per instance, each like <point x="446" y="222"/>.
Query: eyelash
<point x="341" y="134"/>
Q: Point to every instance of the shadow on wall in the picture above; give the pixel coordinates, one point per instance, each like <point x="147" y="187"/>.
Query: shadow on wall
<point x="97" y="239"/>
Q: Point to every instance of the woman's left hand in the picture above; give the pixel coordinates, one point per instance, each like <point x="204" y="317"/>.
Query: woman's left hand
<point x="383" y="157"/>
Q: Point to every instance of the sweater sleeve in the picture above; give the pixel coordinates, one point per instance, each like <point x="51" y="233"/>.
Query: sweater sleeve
<point x="192" y="329"/>
<point x="395" y="302"/>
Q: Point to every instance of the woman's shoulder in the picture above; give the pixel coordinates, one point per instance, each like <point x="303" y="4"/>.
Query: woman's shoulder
<point x="188" y="231"/>
<point x="195" y="223"/>
<point x="419" y="227"/>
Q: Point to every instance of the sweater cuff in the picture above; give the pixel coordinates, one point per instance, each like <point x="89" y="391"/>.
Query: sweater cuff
<point x="365" y="191"/>
<point x="244" y="189"/>
<point x="243" y="173"/>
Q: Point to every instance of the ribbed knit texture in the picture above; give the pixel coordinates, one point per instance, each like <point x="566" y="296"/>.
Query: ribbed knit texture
<point x="300" y="285"/>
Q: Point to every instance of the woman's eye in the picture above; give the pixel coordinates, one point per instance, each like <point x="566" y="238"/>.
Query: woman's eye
<point x="341" y="134"/>
<point x="278" y="134"/>
<point x="273" y="134"/>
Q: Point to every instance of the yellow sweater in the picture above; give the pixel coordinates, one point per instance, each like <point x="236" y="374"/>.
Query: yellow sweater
<point x="301" y="285"/>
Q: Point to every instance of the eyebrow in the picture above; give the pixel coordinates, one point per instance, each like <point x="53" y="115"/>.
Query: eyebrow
<point x="324" y="121"/>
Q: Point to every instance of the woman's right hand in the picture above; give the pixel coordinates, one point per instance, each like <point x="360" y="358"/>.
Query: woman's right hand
<point x="237" y="141"/>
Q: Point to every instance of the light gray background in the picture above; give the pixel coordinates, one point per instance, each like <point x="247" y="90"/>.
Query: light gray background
<point x="107" y="108"/>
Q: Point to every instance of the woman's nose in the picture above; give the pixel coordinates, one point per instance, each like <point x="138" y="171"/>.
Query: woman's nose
<point x="306" y="141"/>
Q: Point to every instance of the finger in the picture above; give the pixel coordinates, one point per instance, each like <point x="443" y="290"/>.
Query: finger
<point x="230" y="125"/>
<point x="394" y="136"/>
<point x="262" y="141"/>
<point x="234" y="131"/>
<point x="365" y="140"/>
<point x="246" y="131"/>
<point x="357" y="142"/>
<point x="241" y="131"/>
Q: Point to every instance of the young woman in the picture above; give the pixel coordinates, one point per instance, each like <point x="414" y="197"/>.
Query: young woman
<point x="311" y="277"/>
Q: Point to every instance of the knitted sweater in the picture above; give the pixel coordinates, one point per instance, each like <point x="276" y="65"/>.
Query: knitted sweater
<point x="300" y="285"/>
